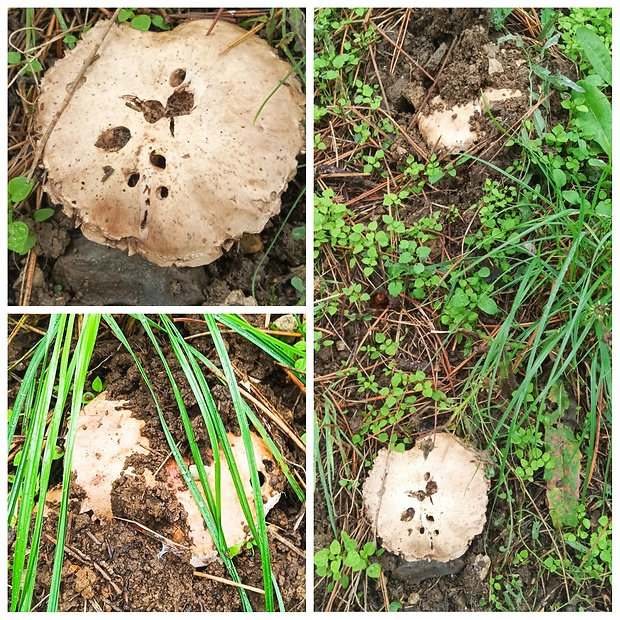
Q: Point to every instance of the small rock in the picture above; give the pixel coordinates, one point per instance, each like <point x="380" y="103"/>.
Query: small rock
<point x="414" y="93"/>
<point x="237" y="298"/>
<point x="491" y="50"/>
<point x="100" y="276"/>
<point x="482" y="565"/>
<point x="251" y="244"/>
<point x="435" y="60"/>
<point x="414" y="572"/>
<point x="460" y="601"/>
<point x="414" y="598"/>
<point x="286" y="323"/>
<point x="37" y="280"/>
<point x="495" y="66"/>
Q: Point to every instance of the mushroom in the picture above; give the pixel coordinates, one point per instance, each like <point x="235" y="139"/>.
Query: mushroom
<point x="234" y="523"/>
<point x="429" y="502"/>
<point x="450" y="128"/>
<point x="172" y="146"/>
<point x="108" y="434"/>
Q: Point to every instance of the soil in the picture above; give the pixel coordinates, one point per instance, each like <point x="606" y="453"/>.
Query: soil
<point x="114" y="566"/>
<point x="468" y="43"/>
<point x="71" y="270"/>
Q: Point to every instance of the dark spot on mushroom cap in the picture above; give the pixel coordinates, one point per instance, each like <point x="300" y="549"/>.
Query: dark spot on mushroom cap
<point x="180" y="103"/>
<point x="153" y="110"/>
<point x="113" y="139"/>
<point x="158" y="160"/>
<point x="177" y="77"/>
<point x="408" y="515"/>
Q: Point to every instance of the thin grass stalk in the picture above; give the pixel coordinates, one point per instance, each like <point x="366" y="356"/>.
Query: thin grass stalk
<point x="323" y="477"/>
<point x="255" y="422"/>
<point x="185" y="473"/>
<point x="83" y="353"/>
<point x="276" y="587"/>
<point x="211" y="416"/>
<point x="215" y="504"/>
<point x="279" y="350"/>
<point x="203" y="395"/>
<point x="26" y="395"/>
<point x="262" y="539"/>
<point x="536" y="358"/>
<point x="48" y="457"/>
<point x="209" y="413"/>
<point x="27" y="484"/>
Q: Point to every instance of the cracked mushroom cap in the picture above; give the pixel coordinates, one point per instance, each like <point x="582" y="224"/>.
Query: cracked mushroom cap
<point x="108" y="434"/>
<point x="158" y="151"/>
<point x="427" y="503"/>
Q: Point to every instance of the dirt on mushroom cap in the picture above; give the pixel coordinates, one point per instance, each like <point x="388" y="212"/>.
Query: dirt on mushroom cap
<point x="108" y="434"/>
<point x="427" y="503"/>
<point x="158" y="151"/>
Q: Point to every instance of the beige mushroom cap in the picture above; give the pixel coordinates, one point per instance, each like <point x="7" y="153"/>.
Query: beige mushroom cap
<point x="158" y="152"/>
<point x="234" y="523"/>
<point x="108" y="434"/>
<point x="427" y="503"/>
<point x="451" y="128"/>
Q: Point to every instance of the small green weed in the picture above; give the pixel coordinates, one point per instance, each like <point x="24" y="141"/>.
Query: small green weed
<point x="142" y="21"/>
<point x="399" y="399"/>
<point x="97" y="386"/>
<point x="20" y="239"/>
<point x="330" y="221"/>
<point x="506" y="594"/>
<point x="333" y="561"/>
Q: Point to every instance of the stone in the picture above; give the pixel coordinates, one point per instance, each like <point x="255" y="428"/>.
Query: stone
<point x="107" y="277"/>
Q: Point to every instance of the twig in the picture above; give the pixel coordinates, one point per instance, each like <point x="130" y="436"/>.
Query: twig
<point x="284" y="541"/>
<point x="74" y="553"/>
<point x="215" y="20"/>
<point x="433" y="85"/>
<point x="248" y="34"/>
<point x="148" y="532"/>
<point x="228" y="582"/>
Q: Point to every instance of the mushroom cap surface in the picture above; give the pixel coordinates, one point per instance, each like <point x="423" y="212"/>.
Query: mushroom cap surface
<point x="108" y="434"/>
<point x="158" y="152"/>
<point x="429" y="502"/>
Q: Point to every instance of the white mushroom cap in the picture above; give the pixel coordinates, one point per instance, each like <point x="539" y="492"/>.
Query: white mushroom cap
<point x="158" y="151"/>
<point x="427" y="503"/>
<point x="450" y="128"/>
<point x="234" y="523"/>
<point x="108" y="434"/>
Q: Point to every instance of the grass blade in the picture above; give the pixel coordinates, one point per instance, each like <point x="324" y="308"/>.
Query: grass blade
<point x="261" y="537"/>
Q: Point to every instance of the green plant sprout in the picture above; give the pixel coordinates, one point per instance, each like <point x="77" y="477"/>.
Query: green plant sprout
<point x="333" y="561"/>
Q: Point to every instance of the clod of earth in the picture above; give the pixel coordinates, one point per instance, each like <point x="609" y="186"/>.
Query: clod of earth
<point x="108" y="434"/>
<point x="429" y="502"/>
<point x="454" y="129"/>
<point x="158" y="151"/>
